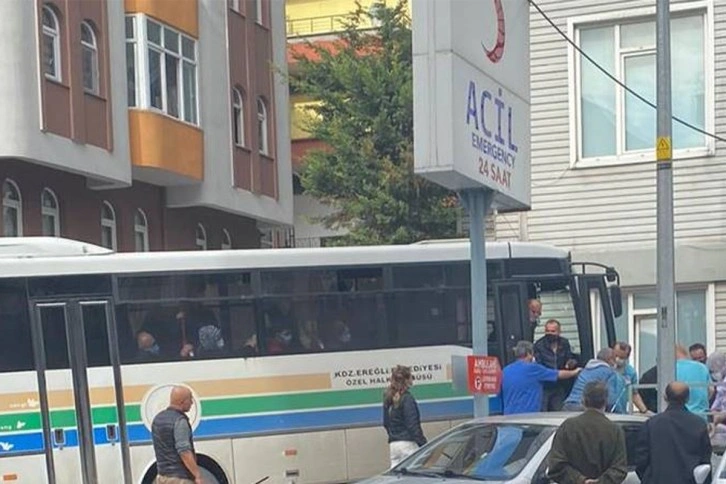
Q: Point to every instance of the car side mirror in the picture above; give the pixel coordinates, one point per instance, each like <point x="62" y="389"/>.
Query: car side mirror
<point x="700" y="473"/>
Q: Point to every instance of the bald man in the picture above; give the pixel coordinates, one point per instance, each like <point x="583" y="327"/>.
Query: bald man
<point x="534" y="307"/>
<point x="176" y="460"/>
<point x="672" y="443"/>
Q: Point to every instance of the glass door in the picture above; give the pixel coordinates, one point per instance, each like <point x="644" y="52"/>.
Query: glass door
<point x="80" y="392"/>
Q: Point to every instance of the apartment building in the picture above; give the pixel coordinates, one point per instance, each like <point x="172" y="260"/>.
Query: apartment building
<point x="593" y="157"/>
<point x="145" y="124"/>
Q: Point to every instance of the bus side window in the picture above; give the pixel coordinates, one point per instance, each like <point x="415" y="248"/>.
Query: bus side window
<point x="16" y="349"/>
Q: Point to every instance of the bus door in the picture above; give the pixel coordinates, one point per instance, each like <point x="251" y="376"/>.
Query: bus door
<point x="80" y="393"/>
<point x="511" y="316"/>
<point x="584" y="285"/>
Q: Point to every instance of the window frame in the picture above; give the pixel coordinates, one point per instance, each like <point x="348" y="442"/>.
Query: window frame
<point x="238" y="115"/>
<point x="226" y="240"/>
<point x="142" y="45"/>
<point x="263" y="119"/>
<point x="259" y="15"/>
<point x="56" y="36"/>
<point x="575" y="60"/>
<point x="50" y="212"/>
<point x="96" y="74"/>
<point x="109" y="223"/>
<point x="141" y="229"/>
<point x="16" y="205"/>
<point x="201" y="243"/>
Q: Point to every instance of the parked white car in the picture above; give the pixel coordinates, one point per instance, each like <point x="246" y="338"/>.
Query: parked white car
<point x="497" y="450"/>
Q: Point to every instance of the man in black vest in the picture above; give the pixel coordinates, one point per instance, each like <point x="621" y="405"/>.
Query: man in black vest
<point x="176" y="461"/>
<point x="673" y="443"/>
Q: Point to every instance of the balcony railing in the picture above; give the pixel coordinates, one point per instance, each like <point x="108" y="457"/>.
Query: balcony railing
<point x="311" y="26"/>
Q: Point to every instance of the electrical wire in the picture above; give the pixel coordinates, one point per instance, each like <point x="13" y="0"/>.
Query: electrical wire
<point x="615" y="79"/>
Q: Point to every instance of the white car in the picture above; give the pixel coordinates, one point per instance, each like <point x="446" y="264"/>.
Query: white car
<point x="506" y="449"/>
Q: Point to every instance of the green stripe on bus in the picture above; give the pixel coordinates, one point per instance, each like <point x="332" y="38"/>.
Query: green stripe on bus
<point x="307" y="401"/>
<point x="29" y="421"/>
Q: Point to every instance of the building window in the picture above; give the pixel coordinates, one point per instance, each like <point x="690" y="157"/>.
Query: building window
<point x="108" y="226"/>
<point x="238" y="118"/>
<point x="89" y="48"/>
<point x="201" y="237"/>
<point x="612" y="123"/>
<point x="50" y="213"/>
<point x="141" y="231"/>
<point x="226" y="240"/>
<point x="12" y="209"/>
<point x="51" y="44"/>
<point x="262" y="126"/>
<point x="131" y="60"/>
<point x="234" y="5"/>
<point x="258" y="11"/>
<point x="165" y="63"/>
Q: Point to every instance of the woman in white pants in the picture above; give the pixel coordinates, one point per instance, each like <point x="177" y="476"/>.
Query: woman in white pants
<point x="401" y="417"/>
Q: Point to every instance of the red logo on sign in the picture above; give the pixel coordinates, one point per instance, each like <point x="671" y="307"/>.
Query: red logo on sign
<point x="495" y="55"/>
<point x="485" y="374"/>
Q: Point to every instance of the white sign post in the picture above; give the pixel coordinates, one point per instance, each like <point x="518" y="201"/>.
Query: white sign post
<point x="472" y="118"/>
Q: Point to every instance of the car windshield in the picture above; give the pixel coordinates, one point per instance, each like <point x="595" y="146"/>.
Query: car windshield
<point x="479" y="451"/>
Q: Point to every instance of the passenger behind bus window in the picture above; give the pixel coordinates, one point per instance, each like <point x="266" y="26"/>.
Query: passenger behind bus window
<point x="310" y="336"/>
<point x="211" y="342"/>
<point x="250" y="347"/>
<point x="340" y="338"/>
<point x="281" y="341"/>
<point x="147" y="348"/>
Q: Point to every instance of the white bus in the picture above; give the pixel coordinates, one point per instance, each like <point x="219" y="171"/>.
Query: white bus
<point x="286" y="351"/>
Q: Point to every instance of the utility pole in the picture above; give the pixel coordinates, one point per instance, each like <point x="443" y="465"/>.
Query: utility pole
<point x="477" y="203"/>
<point x="665" y="273"/>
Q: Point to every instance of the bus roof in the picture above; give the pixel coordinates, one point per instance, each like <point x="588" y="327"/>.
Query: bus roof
<point x="43" y="256"/>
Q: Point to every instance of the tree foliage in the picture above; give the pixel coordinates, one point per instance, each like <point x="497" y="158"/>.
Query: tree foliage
<point x="363" y="88"/>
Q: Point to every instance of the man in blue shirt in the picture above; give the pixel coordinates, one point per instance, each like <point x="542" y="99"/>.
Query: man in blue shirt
<point x="626" y="371"/>
<point x="522" y="381"/>
<point x="697" y="377"/>
<point x="600" y="369"/>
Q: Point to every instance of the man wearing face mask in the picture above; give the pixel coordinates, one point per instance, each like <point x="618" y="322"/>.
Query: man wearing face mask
<point x="554" y="351"/>
<point x="626" y="371"/>
<point x="601" y="369"/>
<point x="147" y="348"/>
<point x="281" y="342"/>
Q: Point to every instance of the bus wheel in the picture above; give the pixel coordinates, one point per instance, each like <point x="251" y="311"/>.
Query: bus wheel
<point x="212" y="473"/>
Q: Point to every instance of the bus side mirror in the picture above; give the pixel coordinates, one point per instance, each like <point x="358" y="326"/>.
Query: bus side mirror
<point x="616" y="298"/>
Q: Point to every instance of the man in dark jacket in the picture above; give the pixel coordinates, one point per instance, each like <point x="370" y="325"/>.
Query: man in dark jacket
<point x="672" y="443"/>
<point x="589" y="448"/>
<point x="554" y="351"/>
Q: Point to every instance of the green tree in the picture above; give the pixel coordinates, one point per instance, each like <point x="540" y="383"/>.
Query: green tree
<point x="363" y="85"/>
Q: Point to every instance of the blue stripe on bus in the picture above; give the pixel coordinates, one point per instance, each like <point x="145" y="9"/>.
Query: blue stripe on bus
<point x="255" y="424"/>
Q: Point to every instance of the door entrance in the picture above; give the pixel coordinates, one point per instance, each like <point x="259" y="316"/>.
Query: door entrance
<point x="80" y="391"/>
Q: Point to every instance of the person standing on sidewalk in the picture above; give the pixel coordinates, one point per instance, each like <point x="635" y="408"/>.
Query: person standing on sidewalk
<point x="401" y="417"/>
<point x="589" y="448"/>
<point x="176" y="460"/>
<point x="673" y="443"/>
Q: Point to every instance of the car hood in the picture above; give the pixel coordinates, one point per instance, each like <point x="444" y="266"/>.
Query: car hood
<point x="398" y="479"/>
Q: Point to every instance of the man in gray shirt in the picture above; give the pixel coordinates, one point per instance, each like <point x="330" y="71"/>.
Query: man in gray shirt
<point x="176" y="461"/>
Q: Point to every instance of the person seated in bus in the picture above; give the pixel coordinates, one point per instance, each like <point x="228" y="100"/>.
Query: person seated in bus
<point x="250" y="347"/>
<point x="341" y="338"/>
<point x="534" y="307"/>
<point x="281" y="341"/>
<point x="309" y="336"/>
<point x="211" y="342"/>
<point x="147" y="348"/>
